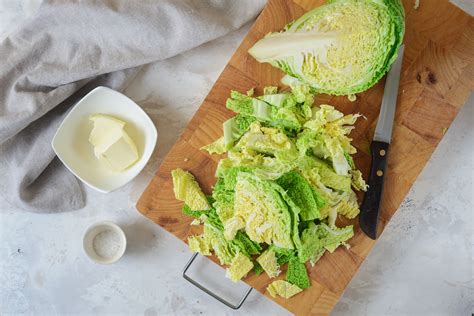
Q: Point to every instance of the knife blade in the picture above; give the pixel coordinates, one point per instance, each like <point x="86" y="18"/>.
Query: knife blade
<point x="370" y="208"/>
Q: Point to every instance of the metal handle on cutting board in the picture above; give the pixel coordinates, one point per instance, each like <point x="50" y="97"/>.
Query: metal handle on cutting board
<point x="207" y="291"/>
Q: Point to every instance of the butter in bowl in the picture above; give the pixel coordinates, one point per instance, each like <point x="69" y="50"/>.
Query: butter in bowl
<point x="105" y="140"/>
<point x="112" y="145"/>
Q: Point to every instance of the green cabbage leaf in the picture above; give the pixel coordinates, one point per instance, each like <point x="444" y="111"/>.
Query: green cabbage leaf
<point x="297" y="273"/>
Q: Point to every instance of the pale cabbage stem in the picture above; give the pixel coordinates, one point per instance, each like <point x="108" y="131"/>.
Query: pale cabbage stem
<point x="286" y="44"/>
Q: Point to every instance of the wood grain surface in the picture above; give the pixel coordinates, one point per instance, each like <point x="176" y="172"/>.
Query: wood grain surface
<point x="437" y="77"/>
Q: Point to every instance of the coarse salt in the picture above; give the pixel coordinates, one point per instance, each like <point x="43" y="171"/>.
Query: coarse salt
<point x="106" y="244"/>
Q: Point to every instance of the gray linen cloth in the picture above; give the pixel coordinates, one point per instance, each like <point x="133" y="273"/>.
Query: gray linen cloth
<point x="64" y="51"/>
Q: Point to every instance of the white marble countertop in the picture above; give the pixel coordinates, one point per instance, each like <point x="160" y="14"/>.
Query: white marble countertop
<point x="422" y="264"/>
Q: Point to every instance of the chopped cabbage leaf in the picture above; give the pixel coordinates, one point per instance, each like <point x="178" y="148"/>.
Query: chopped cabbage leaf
<point x="232" y="226"/>
<point x="230" y="179"/>
<point x="302" y="194"/>
<point x="350" y="161"/>
<point x="330" y="178"/>
<point x="224" y="250"/>
<point x="264" y="166"/>
<point x="342" y="201"/>
<point x="338" y="158"/>
<point x="270" y="90"/>
<point x="263" y="211"/>
<point x="312" y="243"/>
<point x="267" y="140"/>
<point x="268" y="262"/>
<point x="196" y="214"/>
<point x="283" y="288"/>
<point x="294" y="211"/>
<point x="199" y="244"/>
<point x="186" y="189"/>
<point x="347" y="205"/>
<point x="215" y="237"/>
<point x="316" y="256"/>
<point x="337" y="236"/>
<point x="223" y="201"/>
<point x="326" y="134"/>
<point x="297" y="273"/>
<point x="239" y="267"/>
<point x="234" y="128"/>
<point x="246" y="245"/>
<point x="313" y="142"/>
<point x="316" y="238"/>
<point x="320" y="175"/>
<point x="283" y="255"/>
<point x="247" y="105"/>
<point x="212" y="218"/>
<point x="217" y="147"/>
<point x="195" y="222"/>
<point x="278" y="116"/>
<point x="278" y="99"/>
<point x="257" y="268"/>
<point x="357" y="181"/>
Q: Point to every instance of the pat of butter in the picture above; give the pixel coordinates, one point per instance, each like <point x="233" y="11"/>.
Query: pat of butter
<point x="112" y="145"/>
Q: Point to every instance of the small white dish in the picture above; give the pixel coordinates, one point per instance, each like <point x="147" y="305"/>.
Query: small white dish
<point x="105" y="242"/>
<point x="71" y="141"/>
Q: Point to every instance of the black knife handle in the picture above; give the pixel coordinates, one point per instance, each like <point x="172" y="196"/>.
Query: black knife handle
<point x="370" y="208"/>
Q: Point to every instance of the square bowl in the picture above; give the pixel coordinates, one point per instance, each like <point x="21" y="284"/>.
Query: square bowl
<point x="71" y="141"/>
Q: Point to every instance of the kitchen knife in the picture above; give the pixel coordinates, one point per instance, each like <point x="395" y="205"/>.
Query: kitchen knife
<point x="370" y="208"/>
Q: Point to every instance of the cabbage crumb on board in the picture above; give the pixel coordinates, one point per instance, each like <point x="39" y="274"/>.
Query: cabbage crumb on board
<point x="287" y="176"/>
<point x="340" y="48"/>
<point x="283" y="288"/>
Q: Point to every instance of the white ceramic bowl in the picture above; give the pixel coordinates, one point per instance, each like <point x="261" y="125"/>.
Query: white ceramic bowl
<point x="96" y="229"/>
<point x="71" y="142"/>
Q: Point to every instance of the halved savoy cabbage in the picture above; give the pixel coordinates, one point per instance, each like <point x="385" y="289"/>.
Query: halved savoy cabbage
<point x="341" y="48"/>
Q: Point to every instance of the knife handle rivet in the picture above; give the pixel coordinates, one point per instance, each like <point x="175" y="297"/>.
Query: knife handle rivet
<point x="379" y="173"/>
<point x="382" y="152"/>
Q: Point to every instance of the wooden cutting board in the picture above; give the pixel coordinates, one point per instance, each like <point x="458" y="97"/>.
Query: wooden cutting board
<point x="437" y="77"/>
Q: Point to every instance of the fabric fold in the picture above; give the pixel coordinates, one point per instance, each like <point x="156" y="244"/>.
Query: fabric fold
<point x="66" y="50"/>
